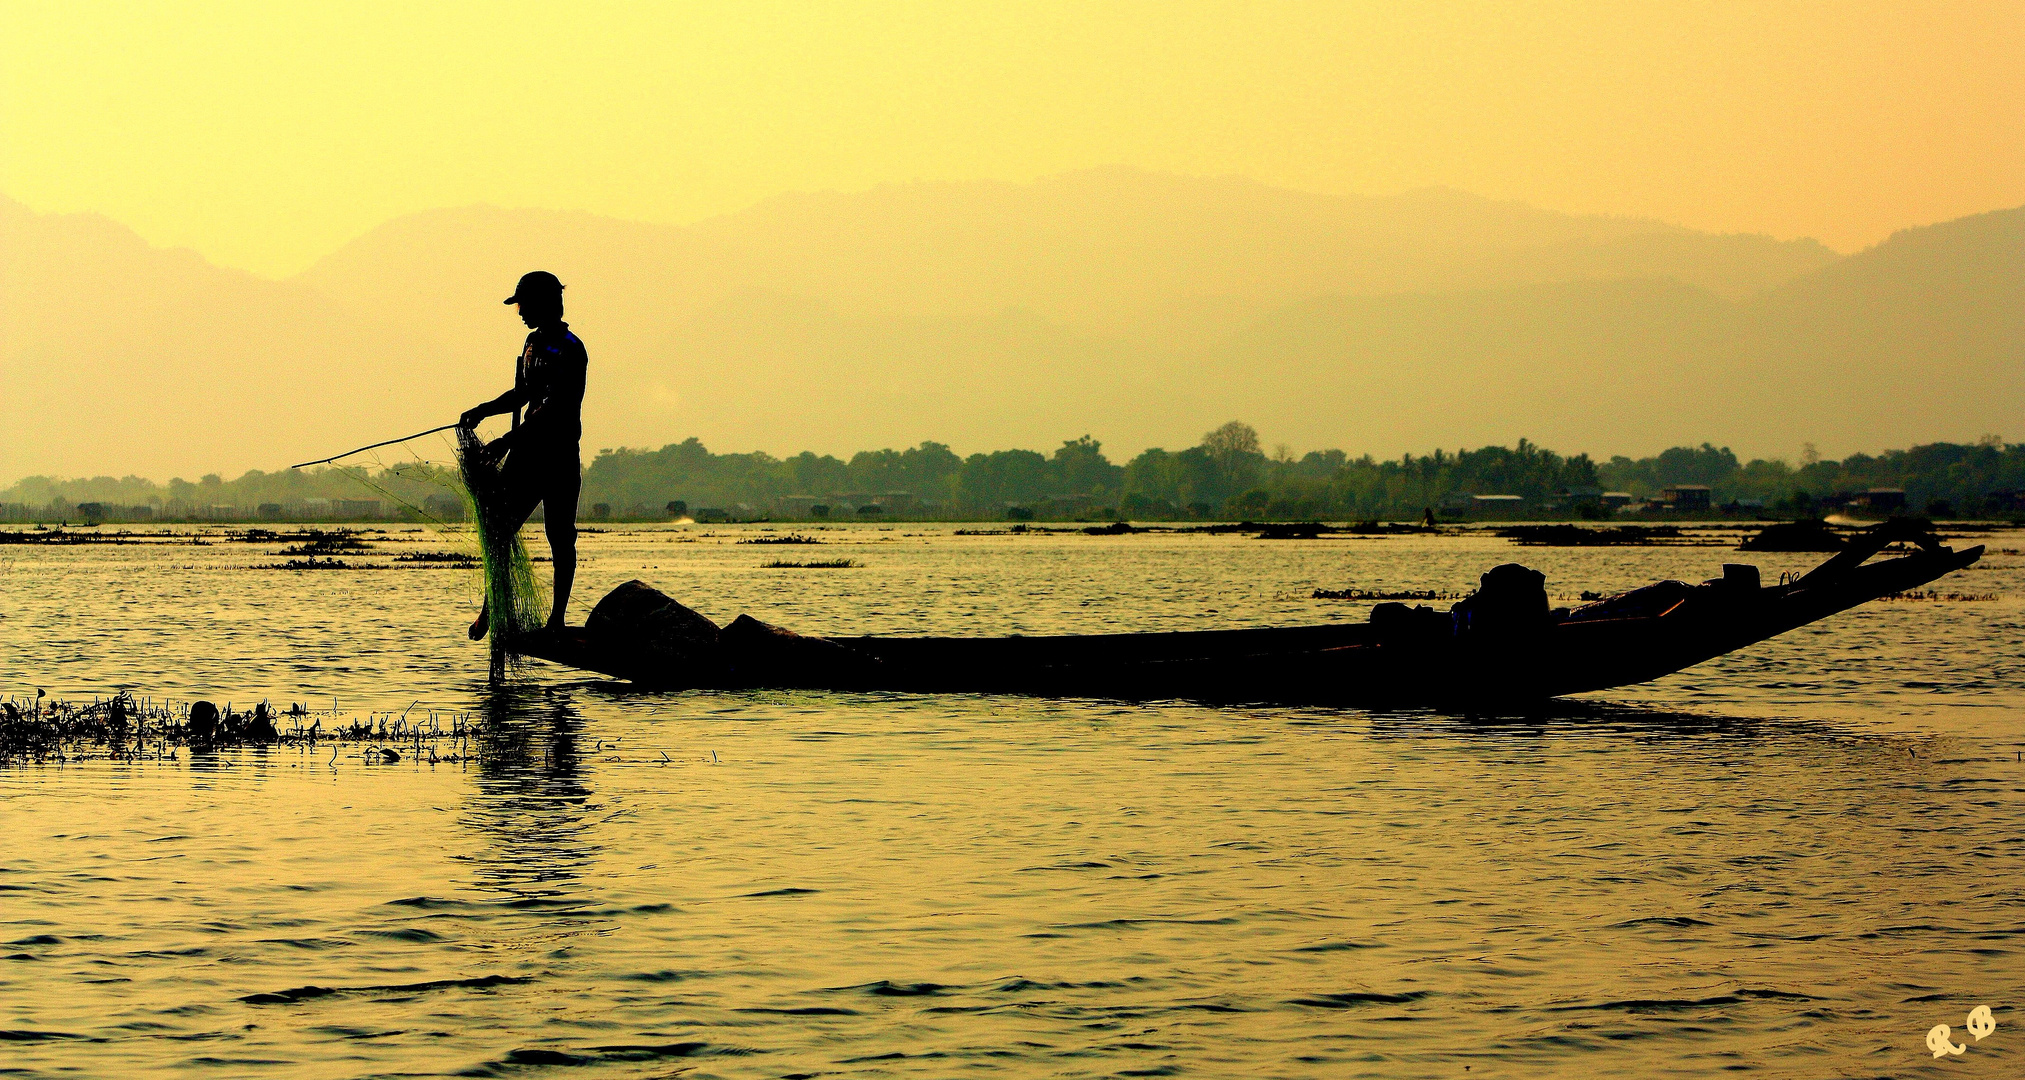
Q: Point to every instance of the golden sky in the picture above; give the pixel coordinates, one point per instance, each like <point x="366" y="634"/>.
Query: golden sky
<point x="266" y="134"/>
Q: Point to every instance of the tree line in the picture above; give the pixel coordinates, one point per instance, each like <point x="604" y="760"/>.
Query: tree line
<point x="1227" y="474"/>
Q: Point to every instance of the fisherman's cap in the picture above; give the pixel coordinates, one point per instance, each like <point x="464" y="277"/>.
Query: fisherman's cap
<point x="536" y="285"/>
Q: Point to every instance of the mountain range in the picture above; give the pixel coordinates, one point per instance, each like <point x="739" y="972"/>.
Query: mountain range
<point x="1139" y="307"/>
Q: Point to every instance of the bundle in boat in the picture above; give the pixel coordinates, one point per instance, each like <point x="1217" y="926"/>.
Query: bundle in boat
<point x="643" y="635"/>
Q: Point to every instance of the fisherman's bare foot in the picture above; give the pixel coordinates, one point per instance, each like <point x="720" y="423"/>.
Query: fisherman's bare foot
<point x="480" y="625"/>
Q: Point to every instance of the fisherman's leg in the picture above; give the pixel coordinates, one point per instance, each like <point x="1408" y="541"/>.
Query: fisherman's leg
<point x="560" y="521"/>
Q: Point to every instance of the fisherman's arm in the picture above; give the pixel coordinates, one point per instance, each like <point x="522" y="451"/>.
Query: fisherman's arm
<point x="504" y="403"/>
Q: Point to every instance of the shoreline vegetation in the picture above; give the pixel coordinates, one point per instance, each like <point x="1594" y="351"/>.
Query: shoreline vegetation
<point x="1227" y="476"/>
<point x="329" y="547"/>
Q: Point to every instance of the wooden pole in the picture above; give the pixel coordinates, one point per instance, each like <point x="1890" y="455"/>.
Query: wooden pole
<point x="374" y="446"/>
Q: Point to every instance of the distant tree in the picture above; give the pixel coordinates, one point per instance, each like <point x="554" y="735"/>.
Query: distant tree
<point x="1223" y="475"/>
<point x="1251" y="504"/>
<point x="1234" y="449"/>
<point x="1080" y="467"/>
<point x="929" y="469"/>
<point x="1231" y="440"/>
<point x="1695" y="465"/>
<point x="1321" y="464"/>
<point x="1005" y="476"/>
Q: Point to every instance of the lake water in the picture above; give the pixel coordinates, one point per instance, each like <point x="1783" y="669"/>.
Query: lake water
<point x="1791" y="862"/>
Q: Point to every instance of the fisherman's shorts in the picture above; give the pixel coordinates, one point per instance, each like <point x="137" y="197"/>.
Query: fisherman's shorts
<point x="554" y="480"/>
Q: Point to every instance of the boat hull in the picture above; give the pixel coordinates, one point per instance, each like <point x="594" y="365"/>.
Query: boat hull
<point x="1592" y="649"/>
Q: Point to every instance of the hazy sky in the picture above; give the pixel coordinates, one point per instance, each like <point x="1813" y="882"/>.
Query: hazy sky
<point x="266" y="134"/>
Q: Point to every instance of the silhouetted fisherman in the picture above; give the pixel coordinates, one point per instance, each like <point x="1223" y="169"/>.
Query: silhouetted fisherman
<point x="541" y="464"/>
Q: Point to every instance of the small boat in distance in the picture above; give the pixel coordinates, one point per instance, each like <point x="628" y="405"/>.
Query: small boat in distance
<point x="1498" y="646"/>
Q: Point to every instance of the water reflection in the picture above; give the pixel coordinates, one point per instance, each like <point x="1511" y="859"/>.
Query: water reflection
<point x="531" y="808"/>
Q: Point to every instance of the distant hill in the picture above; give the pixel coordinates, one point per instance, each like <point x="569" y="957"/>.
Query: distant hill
<point x="1097" y="251"/>
<point x="1919" y="339"/>
<point x="117" y="357"/>
<point x="1138" y="307"/>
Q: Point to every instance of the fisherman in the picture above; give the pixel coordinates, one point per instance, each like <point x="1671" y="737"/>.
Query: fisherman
<point x="541" y="466"/>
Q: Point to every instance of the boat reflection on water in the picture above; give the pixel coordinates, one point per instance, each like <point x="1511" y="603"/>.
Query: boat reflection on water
<point x="530" y="806"/>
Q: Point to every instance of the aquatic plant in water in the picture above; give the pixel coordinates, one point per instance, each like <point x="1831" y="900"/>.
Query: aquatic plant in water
<point x="43" y="730"/>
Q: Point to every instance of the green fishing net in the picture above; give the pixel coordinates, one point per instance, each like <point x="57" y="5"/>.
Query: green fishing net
<point x="513" y="599"/>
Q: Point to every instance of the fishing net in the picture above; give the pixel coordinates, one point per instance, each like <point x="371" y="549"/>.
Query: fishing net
<point x="513" y="599"/>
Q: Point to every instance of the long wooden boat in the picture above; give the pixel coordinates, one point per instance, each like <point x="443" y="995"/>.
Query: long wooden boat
<point x="1402" y="657"/>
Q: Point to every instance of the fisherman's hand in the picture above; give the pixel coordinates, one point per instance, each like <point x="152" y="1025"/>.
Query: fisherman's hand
<point x="471" y="418"/>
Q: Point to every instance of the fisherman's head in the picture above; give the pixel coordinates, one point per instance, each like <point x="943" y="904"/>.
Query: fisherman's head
<point x="539" y="295"/>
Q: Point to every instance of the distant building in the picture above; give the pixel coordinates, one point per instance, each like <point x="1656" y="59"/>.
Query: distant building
<point x="1570" y="497"/>
<point x="1616" y="500"/>
<point x="271" y="511"/>
<point x="798" y="505"/>
<point x="1497" y="505"/>
<point x="1687" y="498"/>
<point x="1880" y="500"/>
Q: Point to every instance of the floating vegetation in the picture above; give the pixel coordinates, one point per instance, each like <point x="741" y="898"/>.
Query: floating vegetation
<point x="1016" y="530"/>
<point x="1610" y="536"/>
<point x="1281" y="530"/>
<point x="790" y="538"/>
<point x="42" y="730"/>
<point x="1794" y="536"/>
<point x="1295" y="530"/>
<point x="812" y="564"/>
<point x="1948" y="597"/>
<point x="454" y="559"/>
<point x="1387" y="528"/>
<point x="314" y="563"/>
<point x="317" y="542"/>
<point x="1377" y="594"/>
<point x="64" y="536"/>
